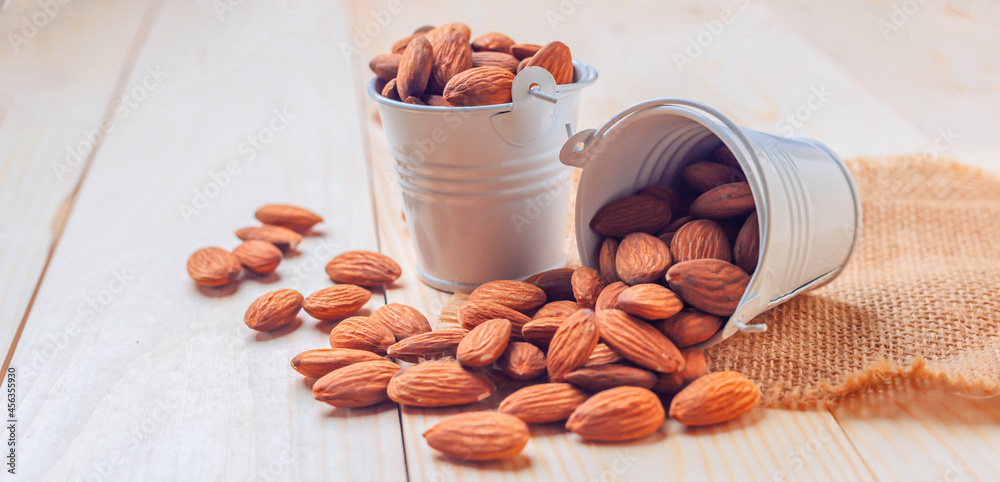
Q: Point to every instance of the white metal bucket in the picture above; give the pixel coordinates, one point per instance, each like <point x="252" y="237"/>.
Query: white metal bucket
<point x="807" y="203"/>
<point x="484" y="193"/>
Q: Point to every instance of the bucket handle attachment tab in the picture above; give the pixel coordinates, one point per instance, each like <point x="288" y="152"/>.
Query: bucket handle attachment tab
<point x="534" y="102"/>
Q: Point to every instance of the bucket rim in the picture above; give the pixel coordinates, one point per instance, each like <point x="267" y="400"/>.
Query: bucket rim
<point x="587" y="76"/>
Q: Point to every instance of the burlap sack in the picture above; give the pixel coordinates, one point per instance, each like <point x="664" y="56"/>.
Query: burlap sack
<point x="920" y="300"/>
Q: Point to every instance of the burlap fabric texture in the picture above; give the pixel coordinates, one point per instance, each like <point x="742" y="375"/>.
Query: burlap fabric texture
<point x="919" y="301"/>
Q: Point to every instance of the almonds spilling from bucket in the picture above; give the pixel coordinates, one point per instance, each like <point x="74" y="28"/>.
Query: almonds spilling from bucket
<point x="445" y="67"/>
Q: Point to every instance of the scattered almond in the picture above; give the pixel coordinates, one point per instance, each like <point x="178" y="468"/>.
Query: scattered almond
<point x="714" y="398"/>
<point x="617" y="415"/>
<point x="363" y="268"/>
<point x="439" y="384"/>
<point x="602" y="355"/>
<point x="572" y="344"/>
<point x="428" y="346"/>
<point x="361" y="333"/>
<point x="283" y="238"/>
<point x="291" y="217"/>
<point x="474" y="313"/>
<point x="516" y="295"/>
<point x="690" y="326"/>
<point x="608" y="299"/>
<point x="606" y="260"/>
<point x="710" y="285"/>
<point x="557" y="309"/>
<point x="650" y="301"/>
<point x="556" y="283"/>
<point x="316" y="363"/>
<point x="258" y="256"/>
<point x="700" y="239"/>
<point x="587" y="286"/>
<point x="543" y="403"/>
<point x="479" y="436"/>
<point x="357" y="385"/>
<point x="602" y="377"/>
<point x="541" y="330"/>
<point x="484" y="344"/>
<point x="213" y="267"/>
<point x="402" y="320"/>
<point x="632" y="214"/>
<point x="725" y="201"/>
<point x="273" y="310"/>
<point x="336" y="302"/>
<point x="639" y="342"/>
<point x="522" y="361"/>
<point x="642" y="258"/>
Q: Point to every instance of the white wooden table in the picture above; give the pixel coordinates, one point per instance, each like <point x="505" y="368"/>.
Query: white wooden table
<point x="132" y="133"/>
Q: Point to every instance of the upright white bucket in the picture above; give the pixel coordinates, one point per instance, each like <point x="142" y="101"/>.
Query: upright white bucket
<point x="484" y="193"/>
<point x="808" y="208"/>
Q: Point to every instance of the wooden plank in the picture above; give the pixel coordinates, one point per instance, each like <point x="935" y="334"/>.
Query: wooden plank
<point x="161" y="380"/>
<point x="56" y="95"/>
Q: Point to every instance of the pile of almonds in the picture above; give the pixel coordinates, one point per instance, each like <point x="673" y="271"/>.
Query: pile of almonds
<point x="262" y="247"/>
<point x="595" y="349"/>
<point x="441" y="66"/>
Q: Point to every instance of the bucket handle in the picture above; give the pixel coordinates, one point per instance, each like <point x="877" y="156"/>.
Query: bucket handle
<point x="533" y="105"/>
<point x="585" y="145"/>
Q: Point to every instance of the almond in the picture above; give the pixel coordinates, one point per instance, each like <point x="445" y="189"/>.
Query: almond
<point x="414" y="68"/>
<point x="710" y="285"/>
<point x="746" y="250"/>
<point x="413" y="101"/>
<point x="522" y="361"/>
<point x="523" y="51"/>
<point x="725" y="201"/>
<point x="273" y="310"/>
<point x="480" y="86"/>
<point x="602" y="355"/>
<point x="484" y="344"/>
<point x="700" y="239"/>
<point x="618" y="414"/>
<point x="435" y="34"/>
<point x="292" y="217"/>
<point x="558" y="309"/>
<point x="316" y="363"/>
<point x="541" y="330"/>
<point x="695" y="366"/>
<point x="336" y="302"/>
<point x="495" y="59"/>
<point x="602" y="377"/>
<point x="714" y="398"/>
<point x="667" y="235"/>
<point x="479" y="436"/>
<point x="690" y="326"/>
<point x="474" y="313"/>
<point x="213" y="267"/>
<point x="650" y="301"/>
<point x="642" y="258"/>
<point x="258" y="256"/>
<point x="399" y="46"/>
<point x="436" y="101"/>
<point x="587" y="286"/>
<point x="663" y="193"/>
<point x="428" y="346"/>
<point x="516" y="295"/>
<point x="705" y="176"/>
<point x="493" y="42"/>
<point x="608" y="299"/>
<point x="424" y="29"/>
<point x="723" y="155"/>
<point x="361" y="333"/>
<point x="606" y="260"/>
<point x="556" y="283"/>
<point x="557" y="59"/>
<point x="386" y="66"/>
<point x="632" y="214"/>
<point x="390" y="92"/>
<point x="451" y="56"/>
<point x="283" y="238"/>
<point x="402" y="320"/>
<point x="522" y="64"/>
<point x="358" y="385"/>
<point x="363" y="268"/>
<point x="572" y="344"/>
<point x="439" y="384"/>
<point x="543" y="403"/>
<point x="639" y="342"/>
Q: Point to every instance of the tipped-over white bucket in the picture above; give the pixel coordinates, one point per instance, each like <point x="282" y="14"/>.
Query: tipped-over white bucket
<point x="484" y="193"/>
<point x="807" y="203"/>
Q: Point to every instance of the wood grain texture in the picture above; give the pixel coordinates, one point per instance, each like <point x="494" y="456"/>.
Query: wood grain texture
<point x="161" y="380"/>
<point x="54" y="99"/>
